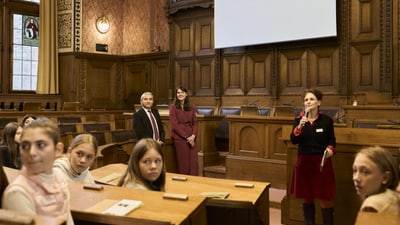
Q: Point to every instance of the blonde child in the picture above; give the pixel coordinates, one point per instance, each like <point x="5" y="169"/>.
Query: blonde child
<point x="375" y="178"/>
<point x="146" y="169"/>
<point x="81" y="155"/>
<point x="38" y="189"/>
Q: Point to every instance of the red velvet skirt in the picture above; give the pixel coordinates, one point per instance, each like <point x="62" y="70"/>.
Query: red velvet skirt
<point x="309" y="182"/>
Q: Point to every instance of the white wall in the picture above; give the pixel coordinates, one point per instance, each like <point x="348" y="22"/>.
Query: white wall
<point x="252" y="22"/>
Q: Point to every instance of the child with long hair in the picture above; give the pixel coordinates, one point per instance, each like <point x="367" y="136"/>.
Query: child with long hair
<point x="38" y="189"/>
<point x="376" y="178"/>
<point x="9" y="147"/>
<point x="81" y="155"/>
<point x="146" y="169"/>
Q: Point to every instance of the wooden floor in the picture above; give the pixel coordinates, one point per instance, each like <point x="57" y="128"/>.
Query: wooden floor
<point x="275" y="197"/>
<point x="274" y="216"/>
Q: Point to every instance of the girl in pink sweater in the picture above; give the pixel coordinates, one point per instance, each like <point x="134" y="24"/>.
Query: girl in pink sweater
<point x="38" y="189"/>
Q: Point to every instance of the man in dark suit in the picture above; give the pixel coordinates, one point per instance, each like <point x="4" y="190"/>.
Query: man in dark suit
<point x="147" y="121"/>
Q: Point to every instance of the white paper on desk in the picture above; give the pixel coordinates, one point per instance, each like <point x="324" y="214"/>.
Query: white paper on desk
<point x="123" y="207"/>
<point x="323" y="160"/>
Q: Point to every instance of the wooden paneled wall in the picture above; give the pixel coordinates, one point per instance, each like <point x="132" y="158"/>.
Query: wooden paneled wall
<point x="362" y="59"/>
<point x="359" y="60"/>
<point x="113" y="82"/>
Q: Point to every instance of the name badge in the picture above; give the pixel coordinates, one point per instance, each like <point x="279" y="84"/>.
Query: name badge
<point x="319" y="130"/>
<point x="49" y="200"/>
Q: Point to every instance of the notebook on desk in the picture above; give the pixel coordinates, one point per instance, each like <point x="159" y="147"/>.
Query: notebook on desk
<point x="123" y="207"/>
<point x="115" y="207"/>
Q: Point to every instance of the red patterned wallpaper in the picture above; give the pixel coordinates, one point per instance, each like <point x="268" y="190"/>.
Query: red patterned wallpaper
<point x="133" y="30"/>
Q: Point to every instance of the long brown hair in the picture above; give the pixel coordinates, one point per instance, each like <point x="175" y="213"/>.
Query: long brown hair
<point x="8" y="140"/>
<point x="49" y="128"/>
<point x="133" y="171"/>
<point x="186" y="102"/>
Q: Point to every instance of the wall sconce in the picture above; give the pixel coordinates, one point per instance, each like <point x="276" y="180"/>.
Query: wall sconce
<point x="102" y="24"/>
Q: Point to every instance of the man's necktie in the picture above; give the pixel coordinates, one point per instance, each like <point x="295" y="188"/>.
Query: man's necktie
<point x="154" y="125"/>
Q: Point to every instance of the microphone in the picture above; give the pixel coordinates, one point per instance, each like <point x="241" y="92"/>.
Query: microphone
<point x="307" y="111"/>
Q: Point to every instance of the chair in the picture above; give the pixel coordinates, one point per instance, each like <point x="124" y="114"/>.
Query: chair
<point x="249" y="110"/>
<point x="229" y="111"/>
<point x="332" y="112"/>
<point x="102" y="137"/>
<point x="205" y="110"/>
<point x="163" y="109"/>
<point x="70" y="106"/>
<point x="264" y="111"/>
<point x="32" y="106"/>
<point x="112" y="153"/>
<point x="283" y="110"/>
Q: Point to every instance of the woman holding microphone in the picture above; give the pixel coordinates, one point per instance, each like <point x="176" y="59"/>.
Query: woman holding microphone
<point x="313" y="177"/>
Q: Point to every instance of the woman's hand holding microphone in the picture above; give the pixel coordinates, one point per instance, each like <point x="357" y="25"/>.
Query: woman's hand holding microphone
<point x="304" y="119"/>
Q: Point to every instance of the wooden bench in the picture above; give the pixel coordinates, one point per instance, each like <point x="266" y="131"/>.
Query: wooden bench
<point x="368" y="123"/>
<point x="68" y="128"/>
<point x="5" y="121"/>
<point x="69" y="119"/>
<point x="116" y="152"/>
<point x="32" y="106"/>
<point x="122" y="135"/>
<point x="97" y="126"/>
<point x="70" y="106"/>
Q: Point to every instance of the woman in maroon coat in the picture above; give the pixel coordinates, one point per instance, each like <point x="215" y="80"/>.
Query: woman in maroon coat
<point x="184" y="128"/>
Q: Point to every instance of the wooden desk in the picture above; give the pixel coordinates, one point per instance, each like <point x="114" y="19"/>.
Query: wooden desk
<point x="255" y="145"/>
<point x="155" y="209"/>
<point x="384" y="126"/>
<point x="368" y="218"/>
<point x="7" y="214"/>
<point x="373" y="112"/>
<point x="242" y="206"/>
